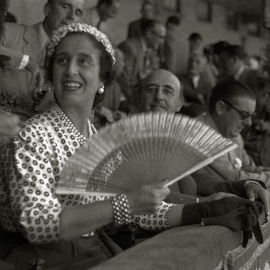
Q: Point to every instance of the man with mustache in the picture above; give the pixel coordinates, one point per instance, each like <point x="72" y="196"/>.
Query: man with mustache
<point x="29" y="40"/>
<point x="162" y="91"/>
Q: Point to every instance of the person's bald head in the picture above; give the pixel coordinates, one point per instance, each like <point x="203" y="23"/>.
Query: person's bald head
<point x="161" y="90"/>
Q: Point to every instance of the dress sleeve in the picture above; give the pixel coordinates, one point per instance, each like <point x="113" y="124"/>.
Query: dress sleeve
<point x="30" y="181"/>
<point x="156" y="222"/>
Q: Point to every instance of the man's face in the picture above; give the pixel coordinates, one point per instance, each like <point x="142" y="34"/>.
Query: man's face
<point x="235" y="116"/>
<point x="160" y="92"/>
<point x="157" y="35"/>
<point x="230" y="65"/>
<point x="147" y="11"/>
<point x="109" y="11"/>
<point x="62" y="12"/>
<point x="196" y="64"/>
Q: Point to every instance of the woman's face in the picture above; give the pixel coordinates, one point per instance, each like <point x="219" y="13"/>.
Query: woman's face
<point x="76" y="70"/>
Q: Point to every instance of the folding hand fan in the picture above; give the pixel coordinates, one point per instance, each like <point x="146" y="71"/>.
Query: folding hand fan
<point x="141" y="149"/>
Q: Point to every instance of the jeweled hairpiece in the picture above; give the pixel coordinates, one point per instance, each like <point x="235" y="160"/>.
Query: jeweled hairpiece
<point x="61" y="32"/>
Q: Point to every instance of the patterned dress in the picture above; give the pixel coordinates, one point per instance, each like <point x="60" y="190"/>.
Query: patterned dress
<point x="31" y="165"/>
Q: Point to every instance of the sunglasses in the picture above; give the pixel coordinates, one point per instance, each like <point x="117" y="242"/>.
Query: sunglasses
<point x="244" y="115"/>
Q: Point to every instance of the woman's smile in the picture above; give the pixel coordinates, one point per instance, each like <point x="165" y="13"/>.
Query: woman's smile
<point x="70" y="85"/>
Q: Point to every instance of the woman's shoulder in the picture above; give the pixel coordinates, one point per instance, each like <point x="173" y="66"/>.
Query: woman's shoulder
<point x="40" y="123"/>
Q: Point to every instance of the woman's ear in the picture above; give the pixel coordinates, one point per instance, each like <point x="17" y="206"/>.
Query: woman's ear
<point x="220" y="108"/>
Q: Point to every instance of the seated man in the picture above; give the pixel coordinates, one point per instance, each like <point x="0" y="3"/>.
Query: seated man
<point x="196" y="87"/>
<point x="162" y="91"/>
<point x="231" y="107"/>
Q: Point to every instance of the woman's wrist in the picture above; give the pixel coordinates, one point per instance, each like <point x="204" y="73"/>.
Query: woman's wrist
<point x="121" y="210"/>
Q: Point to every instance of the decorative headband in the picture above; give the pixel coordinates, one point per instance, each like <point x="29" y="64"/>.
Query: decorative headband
<point x="61" y="32"/>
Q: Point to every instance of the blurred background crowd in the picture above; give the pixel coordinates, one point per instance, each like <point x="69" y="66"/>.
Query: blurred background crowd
<point x="203" y="42"/>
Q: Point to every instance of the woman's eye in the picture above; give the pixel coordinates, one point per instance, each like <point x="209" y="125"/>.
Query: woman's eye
<point x="84" y="61"/>
<point x="61" y="60"/>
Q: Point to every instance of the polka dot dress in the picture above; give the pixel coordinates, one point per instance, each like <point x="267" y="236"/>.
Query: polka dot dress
<point x="30" y="169"/>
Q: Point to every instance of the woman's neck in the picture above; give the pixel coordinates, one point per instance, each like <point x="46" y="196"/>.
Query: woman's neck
<point x="78" y="117"/>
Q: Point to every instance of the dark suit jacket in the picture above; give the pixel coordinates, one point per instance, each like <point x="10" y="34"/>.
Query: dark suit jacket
<point x="135" y="52"/>
<point x="248" y="78"/>
<point x="134" y="63"/>
<point x="135" y="28"/>
<point x="191" y="93"/>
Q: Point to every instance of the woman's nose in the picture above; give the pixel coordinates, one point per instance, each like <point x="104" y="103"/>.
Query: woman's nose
<point x="72" y="69"/>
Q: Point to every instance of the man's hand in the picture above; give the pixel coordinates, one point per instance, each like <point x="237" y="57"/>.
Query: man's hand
<point x="37" y="76"/>
<point x="254" y="191"/>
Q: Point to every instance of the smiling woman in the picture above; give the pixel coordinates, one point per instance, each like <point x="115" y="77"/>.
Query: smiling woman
<point x="64" y="231"/>
<point x="79" y="62"/>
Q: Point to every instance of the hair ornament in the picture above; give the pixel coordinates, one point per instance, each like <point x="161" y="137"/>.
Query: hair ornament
<point x="61" y="32"/>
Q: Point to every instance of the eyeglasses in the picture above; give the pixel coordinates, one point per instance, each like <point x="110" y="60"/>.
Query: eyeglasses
<point x="244" y="115"/>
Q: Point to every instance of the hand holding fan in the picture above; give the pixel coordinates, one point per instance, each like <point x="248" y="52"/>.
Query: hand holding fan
<point x="139" y="150"/>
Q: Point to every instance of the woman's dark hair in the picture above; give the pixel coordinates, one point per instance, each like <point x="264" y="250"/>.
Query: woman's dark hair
<point x="107" y="72"/>
<point x="229" y="91"/>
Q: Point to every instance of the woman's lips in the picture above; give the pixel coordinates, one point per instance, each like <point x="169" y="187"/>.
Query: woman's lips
<point x="72" y="85"/>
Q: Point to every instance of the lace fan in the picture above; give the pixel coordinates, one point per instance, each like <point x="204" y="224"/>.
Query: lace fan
<point x="141" y="149"/>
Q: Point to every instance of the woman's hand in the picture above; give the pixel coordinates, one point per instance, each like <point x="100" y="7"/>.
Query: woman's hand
<point x="147" y="199"/>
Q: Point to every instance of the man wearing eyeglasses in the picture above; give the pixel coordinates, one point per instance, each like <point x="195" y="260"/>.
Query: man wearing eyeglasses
<point x="231" y="108"/>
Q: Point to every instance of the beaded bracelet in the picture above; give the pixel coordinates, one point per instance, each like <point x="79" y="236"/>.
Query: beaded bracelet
<point x="120" y="209"/>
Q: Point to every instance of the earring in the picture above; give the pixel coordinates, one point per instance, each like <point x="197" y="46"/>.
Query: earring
<point x="101" y="89"/>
